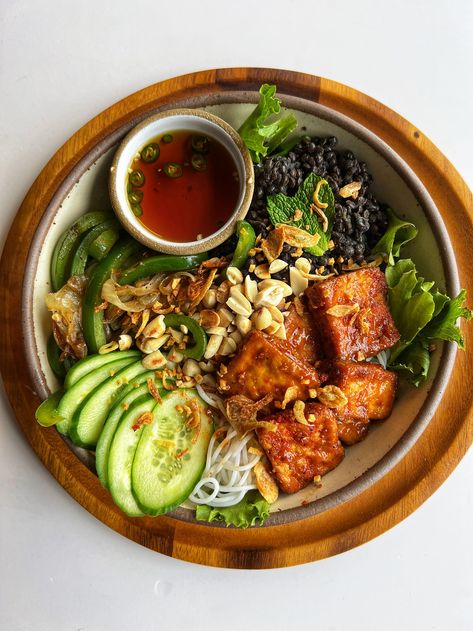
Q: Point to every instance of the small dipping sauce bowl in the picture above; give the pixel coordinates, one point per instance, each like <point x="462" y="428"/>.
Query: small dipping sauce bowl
<point x="155" y="133"/>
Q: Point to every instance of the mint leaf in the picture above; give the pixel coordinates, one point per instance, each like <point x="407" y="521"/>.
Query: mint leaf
<point x="397" y="234"/>
<point x="281" y="209"/>
<point x="251" y="509"/>
<point x="261" y="135"/>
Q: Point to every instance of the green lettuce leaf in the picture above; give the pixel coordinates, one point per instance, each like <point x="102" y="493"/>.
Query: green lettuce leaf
<point x="262" y="136"/>
<point x="444" y="325"/>
<point x="281" y="209"/>
<point x="251" y="509"/>
<point x="422" y="314"/>
<point x="413" y="363"/>
<point x="397" y="234"/>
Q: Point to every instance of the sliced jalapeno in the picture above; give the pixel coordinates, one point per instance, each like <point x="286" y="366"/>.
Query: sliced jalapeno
<point x="200" y="143"/>
<point x="173" y="169"/>
<point x="199" y="163"/>
<point x="137" y="177"/>
<point x="150" y="153"/>
<point x="137" y="210"/>
<point x="167" y="138"/>
<point x="135" y="196"/>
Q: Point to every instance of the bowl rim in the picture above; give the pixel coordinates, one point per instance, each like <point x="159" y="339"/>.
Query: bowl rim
<point x="438" y="386"/>
<point x="153" y="241"/>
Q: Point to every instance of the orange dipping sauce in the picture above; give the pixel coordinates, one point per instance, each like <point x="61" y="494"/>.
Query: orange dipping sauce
<point x="190" y="189"/>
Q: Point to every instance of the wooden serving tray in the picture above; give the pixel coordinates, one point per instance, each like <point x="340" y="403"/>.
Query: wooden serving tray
<point x="382" y="505"/>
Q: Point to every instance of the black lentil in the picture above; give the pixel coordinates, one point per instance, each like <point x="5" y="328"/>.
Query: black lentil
<point x="358" y="224"/>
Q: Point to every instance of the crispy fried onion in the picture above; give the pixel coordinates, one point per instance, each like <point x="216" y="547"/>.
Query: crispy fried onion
<point x="297" y="237"/>
<point x="350" y="190"/>
<point x="153" y="390"/>
<point x="130" y="298"/>
<point x="265" y="482"/>
<point x="242" y="412"/>
<point x="299" y="414"/>
<point x="145" y="419"/>
<point x="332" y="397"/>
<point x="273" y="244"/>
<point x="66" y="307"/>
<point x="200" y="286"/>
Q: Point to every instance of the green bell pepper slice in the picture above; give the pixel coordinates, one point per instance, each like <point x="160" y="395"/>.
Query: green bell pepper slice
<point x="92" y="320"/>
<point x="163" y="263"/>
<point x="175" y="320"/>
<point x="246" y="240"/>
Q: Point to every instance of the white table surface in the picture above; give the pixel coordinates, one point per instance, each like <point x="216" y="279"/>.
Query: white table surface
<point x="62" y="63"/>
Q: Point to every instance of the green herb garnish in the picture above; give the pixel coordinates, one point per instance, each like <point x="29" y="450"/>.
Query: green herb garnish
<point x="397" y="234"/>
<point x="300" y="211"/>
<point x="422" y="314"/>
<point x="251" y="509"/>
<point x="260" y="133"/>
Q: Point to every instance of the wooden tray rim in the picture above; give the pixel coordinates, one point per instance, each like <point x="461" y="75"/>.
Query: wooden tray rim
<point x="248" y="77"/>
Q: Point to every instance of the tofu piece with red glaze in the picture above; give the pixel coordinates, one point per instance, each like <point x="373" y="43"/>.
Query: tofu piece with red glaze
<point x="298" y="453"/>
<point x="267" y="365"/>
<point x="301" y="333"/>
<point x="352" y="315"/>
<point x="369" y="388"/>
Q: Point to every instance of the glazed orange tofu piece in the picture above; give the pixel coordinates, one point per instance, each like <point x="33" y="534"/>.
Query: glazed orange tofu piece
<point x="267" y="365"/>
<point x="301" y="333"/>
<point x="298" y="453"/>
<point x="352" y="315"/>
<point x="369" y="388"/>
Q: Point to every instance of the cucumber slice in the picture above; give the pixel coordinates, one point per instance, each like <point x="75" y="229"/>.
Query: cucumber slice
<point x="164" y="474"/>
<point x="135" y="389"/>
<point x="91" y="362"/>
<point x="74" y="397"/>
<point x="122" y="451"/>
<point x="87" y="422"/>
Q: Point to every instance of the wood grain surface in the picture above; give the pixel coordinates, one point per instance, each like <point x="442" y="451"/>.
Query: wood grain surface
<point x="387" y="502"/>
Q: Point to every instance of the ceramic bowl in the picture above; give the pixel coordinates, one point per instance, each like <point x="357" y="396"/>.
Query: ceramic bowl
<point x="394" y="184"/>
<point x="196" y="121"/>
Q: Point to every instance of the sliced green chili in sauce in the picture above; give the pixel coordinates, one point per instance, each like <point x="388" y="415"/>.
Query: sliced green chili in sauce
<point x="167" y="138"/>
<point x="172" y="169"/>
<point x="137" y="178"/>
<point x="199" y="163"/>
<point x="200" y="143"/>
<point x="135" y="196"/>
<point x="150" y="153"/>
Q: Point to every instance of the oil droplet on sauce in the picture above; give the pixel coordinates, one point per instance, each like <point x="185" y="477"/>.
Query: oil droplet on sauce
<point x="186" y="193"/>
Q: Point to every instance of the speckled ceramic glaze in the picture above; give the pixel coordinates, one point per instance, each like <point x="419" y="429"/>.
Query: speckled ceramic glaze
<point x="196" y="121"/>
<point x="86" y="188"/>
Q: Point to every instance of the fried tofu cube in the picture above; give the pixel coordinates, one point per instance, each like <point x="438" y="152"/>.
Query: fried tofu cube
<point x="298" y="453"/>
<point x="301" y="333"/>
<point x="267" y="365"/>
<point x="352" y="315"/>
<point x="351" y="429"/>
<point x="369" y="388"/>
